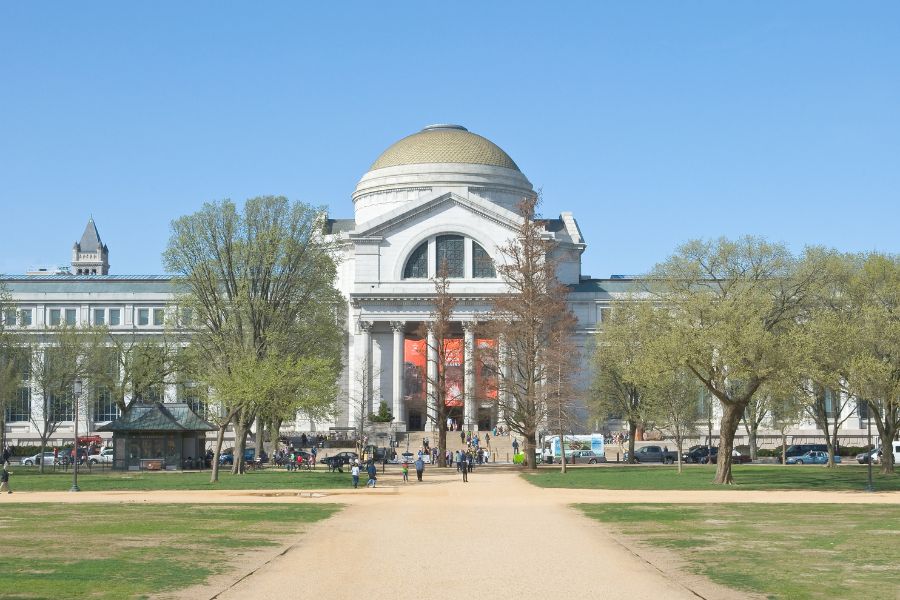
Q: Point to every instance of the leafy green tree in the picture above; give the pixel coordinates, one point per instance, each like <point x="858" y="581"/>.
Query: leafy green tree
<point x="875" y="366"/>
<point x="256" y="282"/>
<point x="619" y="350"/>
<point x="732" y="305"/>
<point x="823" y="344"/>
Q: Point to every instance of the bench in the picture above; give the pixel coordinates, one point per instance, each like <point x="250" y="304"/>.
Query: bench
<point x="151" y="464"/>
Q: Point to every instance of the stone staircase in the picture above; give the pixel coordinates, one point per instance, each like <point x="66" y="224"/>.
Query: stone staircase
<point x="500" y="446"/>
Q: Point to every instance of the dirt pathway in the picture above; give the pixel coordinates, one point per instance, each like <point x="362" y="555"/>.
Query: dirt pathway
<point x="445" y="539"/>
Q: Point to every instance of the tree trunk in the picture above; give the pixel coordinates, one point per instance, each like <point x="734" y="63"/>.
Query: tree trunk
<point x="632" y="428"/>
<point x="260" y="436"/>
<point x="442" y="443"/>
<point x="731" y="418"/>
<point x="220" y="438"/>
<point x="783" y="448"/>
<point x="679" y="442"/>
<point x="887" y="449"/>
<point x="832" y="445"/>
<point x="754" y="446"/>
<point x="530" y="447"/>
<point x="562" y="452"/>
<point x="241" y="429"/>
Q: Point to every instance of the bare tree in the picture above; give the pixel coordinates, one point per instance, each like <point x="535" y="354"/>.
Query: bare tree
<point x="54" y="369"/>
<point x="531" y="321"/>
<point x="438" y="334"/>
<point x="256" y="282"/>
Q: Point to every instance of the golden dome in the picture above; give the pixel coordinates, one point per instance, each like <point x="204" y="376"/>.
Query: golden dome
<point x="444" y="144"/>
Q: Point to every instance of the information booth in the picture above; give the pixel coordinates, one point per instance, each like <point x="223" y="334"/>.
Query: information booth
<point x="158" y="436"/>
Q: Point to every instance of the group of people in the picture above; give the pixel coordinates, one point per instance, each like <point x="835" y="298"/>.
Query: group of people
<point x="472" y="440"/>
<point x="293" y="460"/>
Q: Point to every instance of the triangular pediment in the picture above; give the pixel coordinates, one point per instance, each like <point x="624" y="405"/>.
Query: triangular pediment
<point x="420" y="209"/>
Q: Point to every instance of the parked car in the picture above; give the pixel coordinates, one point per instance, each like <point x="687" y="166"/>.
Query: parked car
<point x="705" y="454"/>
<point x="813" y="457"/>
<point x="345" y="458"/>
<point x="694" y="454"/>
<point x="227" y="457"/>
<point x="585" y="456"/>
<point x="654" y="454"/>
<point x="863" y="458"/>
<point x="48" y="459"/>
<point x="105" y="457"/>
<point x="796" y="450"/>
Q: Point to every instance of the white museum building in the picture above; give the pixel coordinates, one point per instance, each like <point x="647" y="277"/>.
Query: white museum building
<point x="441" y="195"/>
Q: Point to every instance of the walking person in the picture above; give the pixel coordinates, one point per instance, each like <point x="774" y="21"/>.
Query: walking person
<point x="4" y="480"/>
<point x="465" y="474"/>
<point x="372" y="470"/>
<point x="405" y="470"/>
<point x="459" y="460"/>
<point x="515" y="446"/>
<point x="420" y="468"/>
<point x="354" y="473"/>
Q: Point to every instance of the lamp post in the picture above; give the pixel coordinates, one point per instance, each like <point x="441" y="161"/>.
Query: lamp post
<point x="76" y="393"/>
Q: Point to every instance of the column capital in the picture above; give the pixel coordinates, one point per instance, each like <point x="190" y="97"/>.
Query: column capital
<point x="398" y="326"/>
<point x="365" y="326"/>
<point x="469" y="326"/>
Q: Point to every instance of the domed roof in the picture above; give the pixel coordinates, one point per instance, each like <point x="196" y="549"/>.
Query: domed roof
<point x="444" y="144"/>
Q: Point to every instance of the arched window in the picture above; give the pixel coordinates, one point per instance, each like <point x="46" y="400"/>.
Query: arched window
<point x="451" y="251"/>
<point x="417" y="265"/>
<point x="482" y="263"/>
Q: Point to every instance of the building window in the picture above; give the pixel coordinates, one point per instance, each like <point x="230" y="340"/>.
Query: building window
<point x="62" y="407"/>
<point x="114" y="316"/>
<point x="99" y="316"/>
<point x="157" y="316"/>
<point x="482" y="263"/>
<point x="71" y="317"/>
<point x="417" y="265"/>
<point x="20" y="407"/>
<point x="9" y="318"/>
<point x="189" y="394"/>
<point x="451" y="250"/>
<point x="143" y="316"/>
<point x="832" y="402"/>
<point x="105" y="408"/>
<point x="862" y="408"/>
<point x="55" y="317"/>
<point x="25" y="317"/>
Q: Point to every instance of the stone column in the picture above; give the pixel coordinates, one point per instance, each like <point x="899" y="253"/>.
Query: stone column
<point x="399" y="411"/>
<point x="470" y="407"/>
<point x="431" y="371"/>
<point x="364" y="374"/>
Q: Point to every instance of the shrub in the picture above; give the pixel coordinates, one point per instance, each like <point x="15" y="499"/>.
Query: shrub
<point x="28" y="450"/>
<point x="382" y="416"/>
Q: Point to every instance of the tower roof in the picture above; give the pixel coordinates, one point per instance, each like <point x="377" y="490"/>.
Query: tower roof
<point x="90" y="239"/>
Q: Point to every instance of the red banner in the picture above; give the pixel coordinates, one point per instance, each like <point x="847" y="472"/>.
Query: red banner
<point x="415" y="359"/>
<point x="454" y="378"/>
<point x="485" y="369"/>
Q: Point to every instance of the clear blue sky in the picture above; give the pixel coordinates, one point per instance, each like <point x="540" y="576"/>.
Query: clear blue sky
<point x="652" y="122"/>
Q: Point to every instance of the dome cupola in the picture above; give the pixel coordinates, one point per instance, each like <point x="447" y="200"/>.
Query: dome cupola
<point x="437" y="159"/>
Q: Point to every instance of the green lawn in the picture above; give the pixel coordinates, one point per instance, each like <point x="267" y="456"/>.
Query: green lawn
<point x="786" y="551"/>
<point x="128" y="551"/>
<point x="29" y="479"/>
<point x="746" y="477"/>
